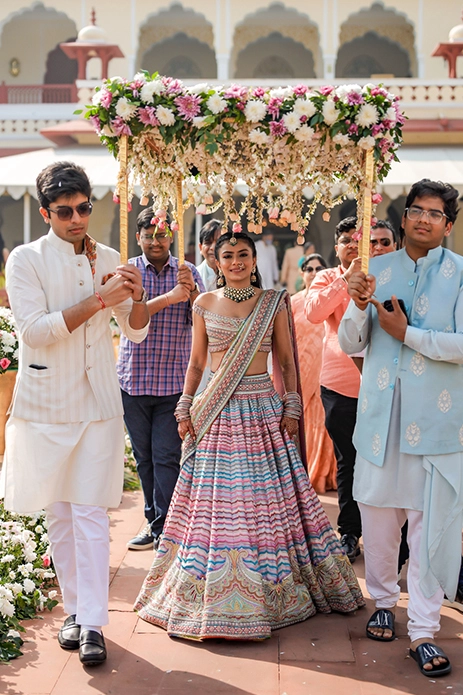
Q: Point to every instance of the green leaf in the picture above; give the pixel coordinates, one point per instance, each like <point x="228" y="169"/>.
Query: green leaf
<point x="77" y="112"/>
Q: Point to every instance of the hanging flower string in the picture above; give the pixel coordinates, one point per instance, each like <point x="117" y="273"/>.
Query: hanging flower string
<point x="285" y="144"/>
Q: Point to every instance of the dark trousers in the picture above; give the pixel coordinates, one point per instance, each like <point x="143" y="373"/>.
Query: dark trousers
<point x="156" y="445"/>
<point x="340" y="417"/>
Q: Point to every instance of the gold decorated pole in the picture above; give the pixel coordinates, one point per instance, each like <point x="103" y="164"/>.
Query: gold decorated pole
<point x="181" y="231"/>
<point x="124" y="198"/>
<point x="367" y="207"/>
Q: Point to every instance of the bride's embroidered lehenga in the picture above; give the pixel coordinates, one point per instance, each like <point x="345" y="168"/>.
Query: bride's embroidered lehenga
<point x="247" y="547"/>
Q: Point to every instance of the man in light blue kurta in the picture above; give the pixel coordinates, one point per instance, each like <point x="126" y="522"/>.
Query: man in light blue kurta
<point x="409" y="433"/>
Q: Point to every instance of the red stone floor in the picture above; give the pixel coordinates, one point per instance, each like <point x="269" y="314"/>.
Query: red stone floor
<point x="326" y="654"/>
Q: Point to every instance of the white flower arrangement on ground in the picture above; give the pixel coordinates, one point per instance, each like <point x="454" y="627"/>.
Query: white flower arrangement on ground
<point x="9" y="345"/>
<point x="276" y="141"/>
<point x="26" y="575"/>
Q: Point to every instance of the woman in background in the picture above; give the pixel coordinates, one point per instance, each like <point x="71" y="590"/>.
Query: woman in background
<point x="321" y="461"/>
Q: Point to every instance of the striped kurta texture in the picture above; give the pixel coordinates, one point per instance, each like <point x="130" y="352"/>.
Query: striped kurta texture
<point x="247" y="547"/>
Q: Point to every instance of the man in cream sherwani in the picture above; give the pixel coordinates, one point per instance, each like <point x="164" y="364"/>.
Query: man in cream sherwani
<point x="65" y="437"/>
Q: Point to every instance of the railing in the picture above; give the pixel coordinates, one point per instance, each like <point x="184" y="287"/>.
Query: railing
<point x="38" y="94"/>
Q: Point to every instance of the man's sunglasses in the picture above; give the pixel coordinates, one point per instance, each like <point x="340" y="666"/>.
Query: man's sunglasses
<point x="384" y="242"/>
<point x="65" y="212"/>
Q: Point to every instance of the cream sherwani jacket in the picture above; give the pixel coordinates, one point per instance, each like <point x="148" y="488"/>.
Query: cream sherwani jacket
<point x="79" y="383"/>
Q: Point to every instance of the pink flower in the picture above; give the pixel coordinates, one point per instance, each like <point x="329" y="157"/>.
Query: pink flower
<point x="355" y="98"/>
<point x="106" y="98"/>
<point x="376" y="198"/>
<point x="300" y="90"/>
<point x="237" y="228"/>
<point x="236" y="91"/>
<point x="154" y="221"/>
<point x="303" y="119"/>
<point x="5" y="363"/>
<point x="188" y="106"/>
<point x="241" y="106"/>
<point x="377" y="128"/>
<point x="162" y="225"/>
<point x="116" y="199"/>
<point x="172" y="86"/>
<point x="277" y="128"/>
<point x="356" y="236"/>
<point x="378" y="91"/>
<point x="147" y="116"/>
<point x="385" y="145"/>
<point x="120" y="127"/>
<point x="46" y="560"/>
<point x="174" y="227"/>
<point x="273" y="213"/>
<point x="353" y="129"/>
<point x="274" y="106"/>
<point x="95" y="121"/>
<point x="258" y="92"/>
<point x="326" y="90"/>
<point x="201" y="210"/>
<point x="161" y="213"/>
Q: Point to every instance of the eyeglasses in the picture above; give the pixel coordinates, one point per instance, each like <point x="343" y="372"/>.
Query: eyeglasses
<point x="383" y="242"/>
<point x="160" y="236"/>
<point x="415" y="213"/>
<point x="66" y="212"/>
<point x="346" y="240"/>
<point x="309" y="269"/>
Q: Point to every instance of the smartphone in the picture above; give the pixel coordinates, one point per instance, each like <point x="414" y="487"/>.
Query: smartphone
<point x="388" y="306"/>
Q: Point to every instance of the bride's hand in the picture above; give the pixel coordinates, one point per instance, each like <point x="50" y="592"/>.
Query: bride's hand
<point x="290" y="425"/>
<point x="185" y="427"/>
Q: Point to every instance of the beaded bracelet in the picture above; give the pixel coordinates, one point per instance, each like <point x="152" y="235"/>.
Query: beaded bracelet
<point x="182" y="410"/>
<point x="292" y="405"/>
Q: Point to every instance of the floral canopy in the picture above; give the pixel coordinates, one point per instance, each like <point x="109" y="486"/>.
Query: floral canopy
<point x="285" y="144"/>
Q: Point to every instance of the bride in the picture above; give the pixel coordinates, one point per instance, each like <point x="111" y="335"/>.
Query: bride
<point x="247" y="547"/>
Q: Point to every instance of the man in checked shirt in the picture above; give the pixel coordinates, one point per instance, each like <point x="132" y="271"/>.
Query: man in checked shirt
<point x="151" y="374"/>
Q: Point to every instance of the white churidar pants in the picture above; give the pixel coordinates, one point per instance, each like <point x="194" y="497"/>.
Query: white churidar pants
<point x="79" y="537"/>
<point x="381" y="528"/>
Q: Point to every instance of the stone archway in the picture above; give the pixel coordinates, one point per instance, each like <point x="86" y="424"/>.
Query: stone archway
<point x="388" y="24"/>
<point x="29" y="35"/>
<point x="185" y="31"/>
<point x="274" y="57"/>
<point x="371" y="54"/>
<point x="272" y="26"/>
<point x="60" y="69"/>
<point x="181" y="56"/>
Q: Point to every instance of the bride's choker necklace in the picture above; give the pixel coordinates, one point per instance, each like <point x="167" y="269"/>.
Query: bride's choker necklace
<point x="239" y="294"/>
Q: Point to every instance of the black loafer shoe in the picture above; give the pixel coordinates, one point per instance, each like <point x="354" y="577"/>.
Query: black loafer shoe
<point x="92" y="649"/>
<point x="69" y="634"/>
<point x="350" y="545"/>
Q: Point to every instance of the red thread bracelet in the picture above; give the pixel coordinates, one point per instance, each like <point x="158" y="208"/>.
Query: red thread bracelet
<point x="100" y="299"/>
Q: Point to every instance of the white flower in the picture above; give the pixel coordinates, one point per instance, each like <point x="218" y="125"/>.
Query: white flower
<point x="39" y="529"/>
<point x="304" y="107"/>
<point x="108" y="131"/>
<point x="342" y="90"/>
<point x="13" y="634"/>
<point x="149" y="90"/>
<point x="341" y="139"/>
<point x="29" y="586"/>
<point x="281" y="92"/>
<point x="292" y="121"/>
<point x="199" y="121"/>
<point x="216" y="104"/>
<point x="139" y="77"/>
<point x="367" y="115"/>
<point x="16" y="588"/>
<point x="7" y="558"/>
<point x="255" y="110"/>
<point x="125" y="109"/>
<point x="366" y="143"/>
<point x="198" y="88"/>
<point x="330" y="113"/>
<point x="391" y="114"/>
<point x="165" y="116"/>
<point x="96" y="98"/>
<point x="305" y="133"/>
<point x="12" y="575"/>
<point x="6" y="608"/>
<point x="117" y="79"/>
<point x="52" y="594"/>
<point x="29" y="554"/>
<point x="368" y="87"/>
<point x="259" y="137"/>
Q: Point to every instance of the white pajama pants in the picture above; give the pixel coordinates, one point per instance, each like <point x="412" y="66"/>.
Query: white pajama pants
<point x="79" y="538"/>
<point x="381" y="527"/>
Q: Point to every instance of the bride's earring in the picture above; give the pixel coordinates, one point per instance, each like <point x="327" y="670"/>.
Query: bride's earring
<point x="253" y="275"/>
<point x="220" y="279"/>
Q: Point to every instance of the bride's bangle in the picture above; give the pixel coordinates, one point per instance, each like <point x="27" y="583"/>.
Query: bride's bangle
<point x="292" y="405"/>
<point x="182" y="410"/>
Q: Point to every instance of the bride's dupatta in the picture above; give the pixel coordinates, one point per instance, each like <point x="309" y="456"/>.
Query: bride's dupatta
<point x="234" y="365"/>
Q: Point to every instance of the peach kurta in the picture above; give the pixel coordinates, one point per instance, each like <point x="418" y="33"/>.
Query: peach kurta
<point x="321" y="460"/>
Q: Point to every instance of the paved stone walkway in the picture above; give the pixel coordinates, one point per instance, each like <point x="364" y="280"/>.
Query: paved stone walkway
<point x="324" y="655"/>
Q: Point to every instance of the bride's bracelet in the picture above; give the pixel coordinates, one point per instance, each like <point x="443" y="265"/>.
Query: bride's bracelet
<point x="182" y="410"/>
<point x="292" y="405"/>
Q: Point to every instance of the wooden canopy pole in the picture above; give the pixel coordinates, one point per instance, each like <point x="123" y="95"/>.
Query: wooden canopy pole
<point x="181" y="231"/>
<point x="124" y="198"/>
<point x="367" y="207"/>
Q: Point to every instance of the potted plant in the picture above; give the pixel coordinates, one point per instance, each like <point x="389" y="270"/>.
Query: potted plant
<point x="9" y="352"/>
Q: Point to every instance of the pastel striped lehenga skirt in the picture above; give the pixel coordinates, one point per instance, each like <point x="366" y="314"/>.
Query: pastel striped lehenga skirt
<point x="247" y="547"/>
